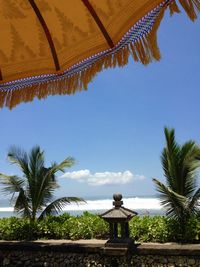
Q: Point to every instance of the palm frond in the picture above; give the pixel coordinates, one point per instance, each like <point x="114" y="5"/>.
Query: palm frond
<point x="188" y="167"/>
<point x="57" y="205"/>
<point x="44" y="192"/>
<point x="36" y="175"/>
<point x="20" y="158"/>
<point x="174" y="203"/>
<point x="67" y="163"/>
<point x="36" y="162"/>
<point x="194" y="204"/>
<point x="35" y="190"/>
<point x="170" y="159"/>
<point x="12" y="183"/>
<point x="22" y="205"/>
<point x="180" y="165"/>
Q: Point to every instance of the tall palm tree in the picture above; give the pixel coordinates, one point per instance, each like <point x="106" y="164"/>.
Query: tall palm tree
<point x="180" y="163"/>
<point x="33" y="192"/>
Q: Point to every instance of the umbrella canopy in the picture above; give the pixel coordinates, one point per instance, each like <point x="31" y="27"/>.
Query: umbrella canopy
<point x="56" y="47"/>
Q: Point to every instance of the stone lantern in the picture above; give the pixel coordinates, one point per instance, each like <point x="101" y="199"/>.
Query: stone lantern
<point x="118" y="219"/>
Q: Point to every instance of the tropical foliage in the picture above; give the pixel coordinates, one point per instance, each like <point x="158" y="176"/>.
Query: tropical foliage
<point x="142" y="228"/>
<point x="180" y="195"/>
<point x="33" y="193"/>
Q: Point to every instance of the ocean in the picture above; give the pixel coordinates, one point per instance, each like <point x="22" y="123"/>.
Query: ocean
<point x="142" y="205"/>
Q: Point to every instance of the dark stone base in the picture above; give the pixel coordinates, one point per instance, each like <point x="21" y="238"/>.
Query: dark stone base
<point x="119" y="242"/>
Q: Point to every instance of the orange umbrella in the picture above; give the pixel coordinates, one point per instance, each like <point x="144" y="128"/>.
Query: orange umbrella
<point x="52" y="47"/>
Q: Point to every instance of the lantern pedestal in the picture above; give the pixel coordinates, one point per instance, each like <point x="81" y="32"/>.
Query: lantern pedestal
<point x="118" y="219"/>
<point x="119" y="243"/>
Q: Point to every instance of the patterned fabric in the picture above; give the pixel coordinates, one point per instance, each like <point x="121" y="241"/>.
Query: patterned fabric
<point x="142" y="27"/>
<point x="81" y="38"/>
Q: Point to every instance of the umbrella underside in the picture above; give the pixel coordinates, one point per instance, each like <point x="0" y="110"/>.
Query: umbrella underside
<point x="48" y="48"/>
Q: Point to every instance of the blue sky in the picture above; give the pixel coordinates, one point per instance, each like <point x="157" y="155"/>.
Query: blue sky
<point x="115" y="129"/>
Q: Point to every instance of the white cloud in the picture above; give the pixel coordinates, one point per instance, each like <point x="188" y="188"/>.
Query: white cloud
<point x="103" y="178"/>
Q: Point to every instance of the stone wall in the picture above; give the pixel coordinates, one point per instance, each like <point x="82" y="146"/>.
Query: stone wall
<point x="92" y="253"/>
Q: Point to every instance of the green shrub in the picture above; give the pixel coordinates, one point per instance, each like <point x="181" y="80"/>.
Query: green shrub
<point x="192" y="230"/>
<point x="17" y="229"/>
<point x="163" y="229"/>
<point x="87" y="226"/>
<point x="149" y="229"/>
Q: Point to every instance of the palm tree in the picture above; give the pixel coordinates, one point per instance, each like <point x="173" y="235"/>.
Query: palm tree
<point x="180" y="163"/>
<point x="33" y="192"/>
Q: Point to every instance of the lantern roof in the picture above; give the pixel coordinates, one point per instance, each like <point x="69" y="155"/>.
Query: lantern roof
<point x="118" y="212"/>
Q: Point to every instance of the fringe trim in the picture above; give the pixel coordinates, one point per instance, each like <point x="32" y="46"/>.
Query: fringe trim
<point x="145" y="49"/>
<point x="173" y="7"/>
<point x="191" y="7"/>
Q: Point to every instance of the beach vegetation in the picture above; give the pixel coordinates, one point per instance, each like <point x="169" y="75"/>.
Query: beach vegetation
<point x="87" y="226"/>
<point x="180" y="195"/>
<point x="32" y="194"/>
